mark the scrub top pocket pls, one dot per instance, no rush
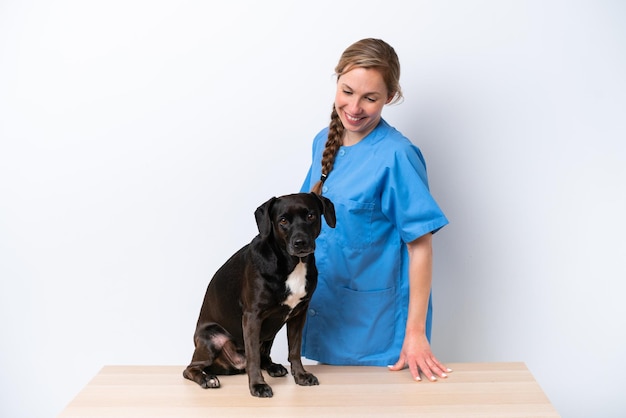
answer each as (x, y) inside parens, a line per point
(354, 223)
(369, 321)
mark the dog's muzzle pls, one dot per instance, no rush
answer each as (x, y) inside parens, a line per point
(300, 247)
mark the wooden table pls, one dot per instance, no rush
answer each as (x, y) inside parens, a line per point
(472, 390)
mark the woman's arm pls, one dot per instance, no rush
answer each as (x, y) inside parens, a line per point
(416, 352)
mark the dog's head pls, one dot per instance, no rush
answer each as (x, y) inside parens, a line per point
(295, 220)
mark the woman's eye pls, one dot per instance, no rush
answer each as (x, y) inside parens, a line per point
(371, 100)
(346, 92)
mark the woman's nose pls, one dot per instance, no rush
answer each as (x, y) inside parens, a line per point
(354, 106)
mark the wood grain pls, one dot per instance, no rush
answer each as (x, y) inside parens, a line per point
(471, 390)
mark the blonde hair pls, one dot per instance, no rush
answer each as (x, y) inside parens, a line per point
(367, 53)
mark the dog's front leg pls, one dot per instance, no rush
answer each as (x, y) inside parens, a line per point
(294, 340)
(251, 324)
(273, 369)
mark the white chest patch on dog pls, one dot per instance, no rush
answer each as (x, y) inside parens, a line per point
(296, 285)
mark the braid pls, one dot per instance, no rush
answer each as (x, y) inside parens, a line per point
(333, 143)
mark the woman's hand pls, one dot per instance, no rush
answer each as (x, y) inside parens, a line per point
(418, 357)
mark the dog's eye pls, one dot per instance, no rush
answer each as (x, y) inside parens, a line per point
(310, 216)
(283, 221)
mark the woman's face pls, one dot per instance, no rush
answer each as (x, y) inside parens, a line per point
(361, 95)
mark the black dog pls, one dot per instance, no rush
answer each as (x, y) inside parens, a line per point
(266, 284)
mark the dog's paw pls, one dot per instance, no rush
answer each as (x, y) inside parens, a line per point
(276, 370)
(306, 379)
(262, 390)
(209, 381)
(206, 381)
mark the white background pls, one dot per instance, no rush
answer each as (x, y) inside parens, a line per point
(138, 137)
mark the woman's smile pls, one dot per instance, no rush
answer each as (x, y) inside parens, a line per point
(361, 95)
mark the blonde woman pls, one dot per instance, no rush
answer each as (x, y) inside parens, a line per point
(372, 305)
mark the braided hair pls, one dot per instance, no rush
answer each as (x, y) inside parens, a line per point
(366, 53)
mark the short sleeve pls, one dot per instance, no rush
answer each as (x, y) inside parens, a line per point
(405, 197)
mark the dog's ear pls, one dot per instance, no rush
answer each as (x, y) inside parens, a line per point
(328, 209)
(263, 219)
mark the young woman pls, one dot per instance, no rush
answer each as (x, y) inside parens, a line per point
(372, 305)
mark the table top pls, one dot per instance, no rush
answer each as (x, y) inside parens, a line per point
(471, 390)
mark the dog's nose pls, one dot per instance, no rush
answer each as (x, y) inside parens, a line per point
(301, 246)
(299, 243)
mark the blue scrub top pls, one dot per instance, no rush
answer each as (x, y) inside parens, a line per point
(379, 186)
